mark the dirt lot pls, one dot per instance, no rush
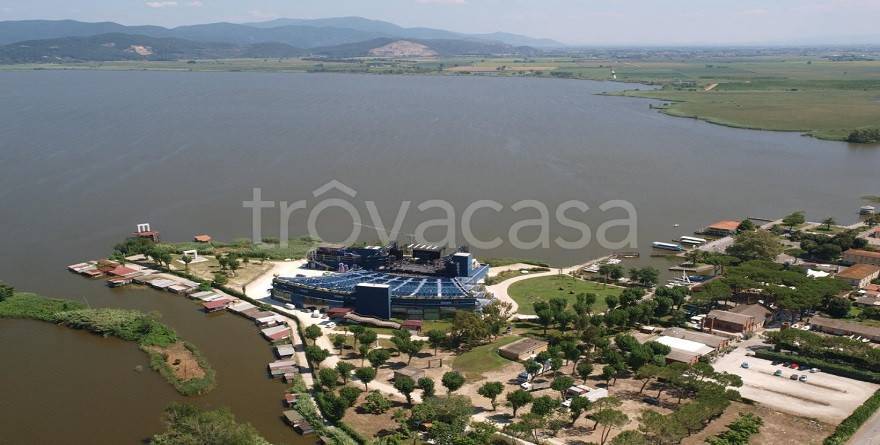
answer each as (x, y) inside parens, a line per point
(779, 428)
(372, 425)
(181, 361)
(825, 397)
(206, 269)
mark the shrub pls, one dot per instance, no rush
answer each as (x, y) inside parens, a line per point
(376, 403)
(34, 307)
(851, 424)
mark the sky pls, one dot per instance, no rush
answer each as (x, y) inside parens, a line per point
(580, 22)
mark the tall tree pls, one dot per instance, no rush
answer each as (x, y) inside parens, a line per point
(344, 369)
(579, 405)
(491, 391)
(313, 332)
(452, 381)
(406, 386)
(793, 220)
(609, 419)
(518, 399)
(436, 338)
(365, 375)
(426, 384)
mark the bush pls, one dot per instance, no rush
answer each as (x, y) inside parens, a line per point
(739, 431)
(34, 307)
(6, 291)
(851, 424)
(376, 403)
(122, 323)
(825, 366)
(865, 136)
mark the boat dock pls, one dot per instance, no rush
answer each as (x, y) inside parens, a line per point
(298, 422)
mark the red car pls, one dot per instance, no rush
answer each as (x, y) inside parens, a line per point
(794, 366)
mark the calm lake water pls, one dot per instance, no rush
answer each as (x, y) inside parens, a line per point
(85, 156)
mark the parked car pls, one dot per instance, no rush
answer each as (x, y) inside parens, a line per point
(803, 378)
(330, 325)
(290, 306)
(794, 377)
(815, 370)
(744, 365)
(566, 403)
(523, 377)
(526, 386)
(775, 363)
(794, 366)
(651, 401)
(778, 373)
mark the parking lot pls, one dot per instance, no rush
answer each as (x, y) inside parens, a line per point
(823, 396)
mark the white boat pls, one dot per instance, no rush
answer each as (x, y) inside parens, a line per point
(692, 239)
(867, 210)
(690, 242)
(667, 246)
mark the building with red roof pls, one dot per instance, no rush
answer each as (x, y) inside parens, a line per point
(723, 228)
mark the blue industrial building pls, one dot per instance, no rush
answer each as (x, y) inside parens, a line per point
(382, 294)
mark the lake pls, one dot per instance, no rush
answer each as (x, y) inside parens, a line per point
(87, 155)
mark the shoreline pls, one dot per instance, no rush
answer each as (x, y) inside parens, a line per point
(828, 135)
(160, 342)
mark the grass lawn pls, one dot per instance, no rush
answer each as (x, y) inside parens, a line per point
(527, 292)
(474, 363)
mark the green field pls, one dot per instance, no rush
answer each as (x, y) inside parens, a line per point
(818, 97)
(472, 364)
(527, 292)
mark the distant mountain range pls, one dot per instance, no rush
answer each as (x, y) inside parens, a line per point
(70, 40)
(118, 46)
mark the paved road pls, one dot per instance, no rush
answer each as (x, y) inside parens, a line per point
(869, 433)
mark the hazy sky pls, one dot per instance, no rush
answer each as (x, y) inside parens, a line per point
(570, 21)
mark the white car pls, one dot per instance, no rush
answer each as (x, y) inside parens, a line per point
(316, 314)
(330, 325)
(290, 306)
(566, 403)
(525, 385)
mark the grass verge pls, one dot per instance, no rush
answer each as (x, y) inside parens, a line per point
(528, 292)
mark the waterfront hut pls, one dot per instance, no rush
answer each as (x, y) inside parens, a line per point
(290, 398)
(216, 305)
(202, 238)
(161, 283)
(722, 228)
(298, 422)
(180, 289)
(285, 351)
(201, 295)
(277, 333)
(241, 306)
